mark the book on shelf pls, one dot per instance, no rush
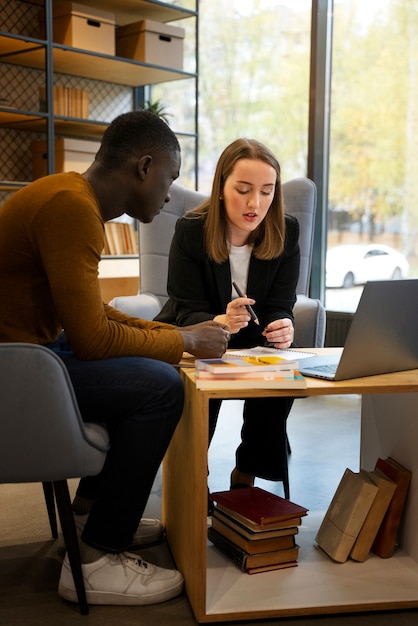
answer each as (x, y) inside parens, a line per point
(247, 561)
(120, 238)
(285, 379)
(387, 539)
(68, 101)
(346, 515)
(374, 518)
(244, 364)
(254, 545)
(257, 508)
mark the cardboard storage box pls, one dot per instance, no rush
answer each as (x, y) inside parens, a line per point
(151, 42)
(71, 155)
(80, 26)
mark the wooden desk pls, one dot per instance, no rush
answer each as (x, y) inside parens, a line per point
(216, 588)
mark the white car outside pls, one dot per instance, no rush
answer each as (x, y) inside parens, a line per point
(355, 264)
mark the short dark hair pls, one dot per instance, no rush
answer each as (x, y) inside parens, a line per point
(134, 134)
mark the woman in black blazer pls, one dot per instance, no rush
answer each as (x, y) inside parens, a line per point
(241, 234)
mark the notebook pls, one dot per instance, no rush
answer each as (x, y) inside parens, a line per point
(383, 336)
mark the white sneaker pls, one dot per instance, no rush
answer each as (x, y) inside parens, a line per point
(149, 530)
(122, 579)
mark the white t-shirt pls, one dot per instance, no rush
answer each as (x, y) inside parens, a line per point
(239, 261)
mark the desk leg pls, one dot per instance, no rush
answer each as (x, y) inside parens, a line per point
(389, 427)
(185, 500)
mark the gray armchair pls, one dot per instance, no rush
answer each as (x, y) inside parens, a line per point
(43, 438)
(154, 245)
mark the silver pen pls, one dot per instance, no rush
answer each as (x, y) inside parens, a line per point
(247, 306)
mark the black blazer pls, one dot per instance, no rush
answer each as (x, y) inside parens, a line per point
(199, 289)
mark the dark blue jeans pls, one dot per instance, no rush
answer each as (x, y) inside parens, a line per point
(140, 400)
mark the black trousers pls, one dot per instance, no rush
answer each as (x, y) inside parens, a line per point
(263, 448)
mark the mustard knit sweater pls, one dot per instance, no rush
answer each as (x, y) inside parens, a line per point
(51, 241)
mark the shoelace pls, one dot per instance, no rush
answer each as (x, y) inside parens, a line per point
(133, 561)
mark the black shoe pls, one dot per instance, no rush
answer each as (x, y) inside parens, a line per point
(211, 505)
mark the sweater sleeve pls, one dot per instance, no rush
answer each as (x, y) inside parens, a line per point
(70, 236)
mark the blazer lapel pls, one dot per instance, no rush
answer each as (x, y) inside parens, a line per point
(257, 279)
(222, 273)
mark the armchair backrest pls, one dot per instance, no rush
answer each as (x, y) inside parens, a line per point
(155, 238)
(299, 197)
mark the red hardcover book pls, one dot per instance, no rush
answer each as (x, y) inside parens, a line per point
(257, 507)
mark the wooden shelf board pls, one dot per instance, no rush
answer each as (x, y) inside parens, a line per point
(112, 69)
(63, 126)
(88, 64)
(22, 121)
(128, 11)
(11, 185)
(80, 128)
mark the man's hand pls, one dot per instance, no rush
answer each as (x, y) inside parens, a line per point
(207, 340)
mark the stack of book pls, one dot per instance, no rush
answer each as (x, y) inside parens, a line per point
(68, 101)
(253, 372)
(365, 513)
(256, 529)
(120, 238)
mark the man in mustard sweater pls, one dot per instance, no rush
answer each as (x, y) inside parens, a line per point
(51, 241)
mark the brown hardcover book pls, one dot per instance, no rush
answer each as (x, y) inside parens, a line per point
(253, 546)
(109, 239)
(269, 568)
(117, 233)
(346, 514)
(368, 532)
(246, 561)
(84, 103)
(387, 536)
(289, 527)
(257, 507)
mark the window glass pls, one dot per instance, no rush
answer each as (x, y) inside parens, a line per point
(253, 81)
(373, 184)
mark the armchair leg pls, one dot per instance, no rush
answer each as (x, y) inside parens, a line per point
(66, 516)
(286, 487)
(50, 506)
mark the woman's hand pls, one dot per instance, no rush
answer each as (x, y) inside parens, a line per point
(280, 333)
(236, 316)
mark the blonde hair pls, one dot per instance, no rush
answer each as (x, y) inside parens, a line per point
(268, 238)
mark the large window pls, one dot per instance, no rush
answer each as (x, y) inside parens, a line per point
(373, 181)
(254, 81)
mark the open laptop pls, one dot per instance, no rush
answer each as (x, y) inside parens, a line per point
(383, 336)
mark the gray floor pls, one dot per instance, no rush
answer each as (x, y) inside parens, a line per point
(324, 436)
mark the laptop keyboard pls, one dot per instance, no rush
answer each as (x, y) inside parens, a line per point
(324, 369)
